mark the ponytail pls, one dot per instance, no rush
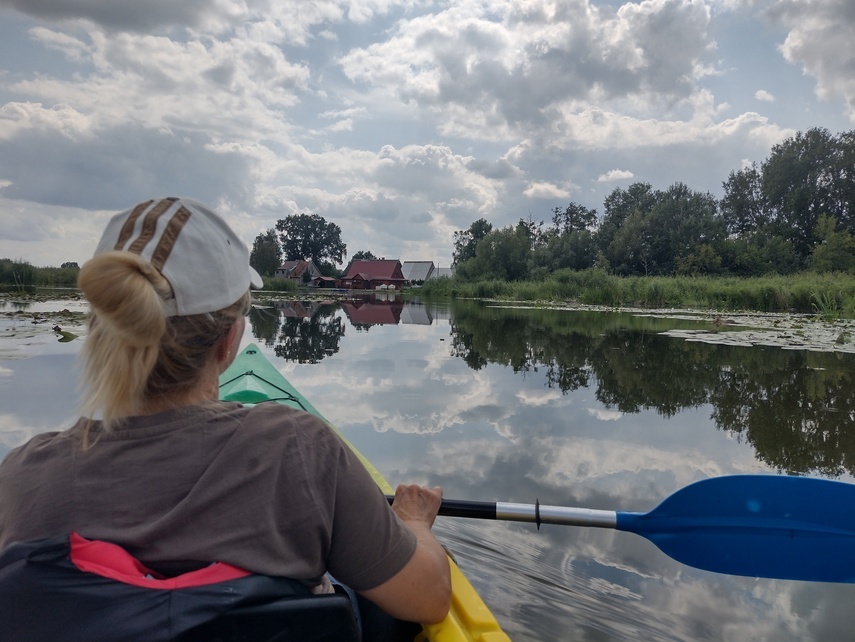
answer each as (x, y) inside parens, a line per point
(134, 351)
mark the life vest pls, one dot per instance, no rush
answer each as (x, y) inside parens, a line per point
(73, 589)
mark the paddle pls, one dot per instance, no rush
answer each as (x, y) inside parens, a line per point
(793, 528)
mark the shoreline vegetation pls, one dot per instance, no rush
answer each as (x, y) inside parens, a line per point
(809, 311)
(829, 296)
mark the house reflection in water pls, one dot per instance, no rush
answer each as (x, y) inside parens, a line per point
(366, 313)
(374, 309)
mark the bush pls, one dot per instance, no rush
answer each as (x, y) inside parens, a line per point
(280, 284)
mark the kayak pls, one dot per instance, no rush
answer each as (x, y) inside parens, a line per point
(252, 379)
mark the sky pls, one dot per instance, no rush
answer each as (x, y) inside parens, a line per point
(401, 121)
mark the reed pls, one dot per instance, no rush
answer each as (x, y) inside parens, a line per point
(826, 295)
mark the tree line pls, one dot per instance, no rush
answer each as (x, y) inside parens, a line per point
(792, 213)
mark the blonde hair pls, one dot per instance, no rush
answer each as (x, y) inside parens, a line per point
(134, 351)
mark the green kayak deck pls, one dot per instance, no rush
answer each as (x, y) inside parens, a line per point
(252, 379)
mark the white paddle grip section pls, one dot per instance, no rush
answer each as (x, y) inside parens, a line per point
(556, 515)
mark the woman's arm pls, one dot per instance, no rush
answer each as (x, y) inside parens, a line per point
(421, 591)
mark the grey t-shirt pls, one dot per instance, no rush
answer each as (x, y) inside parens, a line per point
(267, 488)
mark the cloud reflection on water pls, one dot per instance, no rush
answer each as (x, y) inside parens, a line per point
(501, 433)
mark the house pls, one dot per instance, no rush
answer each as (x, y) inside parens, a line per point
(438, 272)
(417, 271)
(324, 282)
(297, 271)
(373, 275)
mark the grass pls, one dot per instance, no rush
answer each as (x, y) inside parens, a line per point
(829, 296)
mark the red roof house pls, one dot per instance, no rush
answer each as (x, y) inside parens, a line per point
(371, 275)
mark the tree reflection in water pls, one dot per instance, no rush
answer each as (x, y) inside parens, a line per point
(796, 408)
(305, 333)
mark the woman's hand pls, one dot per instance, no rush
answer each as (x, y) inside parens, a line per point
(421, 591)
(415, 503)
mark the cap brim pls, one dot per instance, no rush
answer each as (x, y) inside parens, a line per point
(255, 280)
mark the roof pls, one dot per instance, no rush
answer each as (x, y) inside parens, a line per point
(294, 269)
(417, 270)
(389, 269)
(438, 272)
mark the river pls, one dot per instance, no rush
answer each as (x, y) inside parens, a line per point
(597, 409)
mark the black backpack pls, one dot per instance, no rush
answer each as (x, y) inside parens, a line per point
(44, 595)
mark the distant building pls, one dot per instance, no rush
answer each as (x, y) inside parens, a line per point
(325, 282)
(438, 272)
(373, 275)
(296, 271)
(417, 271)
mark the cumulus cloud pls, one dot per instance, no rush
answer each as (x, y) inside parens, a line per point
(545, 190)
(615, 175)
(820, 40)
(526, 65)
(765, 96)
(426, 115)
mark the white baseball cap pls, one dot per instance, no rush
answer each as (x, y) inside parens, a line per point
(204, 261)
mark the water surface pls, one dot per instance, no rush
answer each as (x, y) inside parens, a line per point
(593, 409)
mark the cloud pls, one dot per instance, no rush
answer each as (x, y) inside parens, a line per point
(528, 66)
(423, 116)
(820, 40)
(615, 175)
(763, 95)
(545, 190)
(605, 415)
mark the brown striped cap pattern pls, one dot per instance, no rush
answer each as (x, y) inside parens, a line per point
(191, 245)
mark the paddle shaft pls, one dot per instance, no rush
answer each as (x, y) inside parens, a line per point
(533, 513)
(774, 526)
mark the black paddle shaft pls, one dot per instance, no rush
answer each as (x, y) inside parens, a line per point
(463, 508)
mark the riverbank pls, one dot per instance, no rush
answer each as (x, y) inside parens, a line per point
(830, 296)
(825, 328)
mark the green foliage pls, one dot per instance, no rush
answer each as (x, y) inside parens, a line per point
(465, 241)
(310, 236)
(502, 254)
(363, 255)
(21, 276)
(826, 305)
(743, 206)
(835, 251)
(704, 260)
(573, 218)
(773, 293)
(280, 284)
(266, 255)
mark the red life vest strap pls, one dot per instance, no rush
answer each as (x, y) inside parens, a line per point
(113, 562)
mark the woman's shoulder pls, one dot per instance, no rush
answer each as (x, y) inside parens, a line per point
(280, 421)
(38, 445)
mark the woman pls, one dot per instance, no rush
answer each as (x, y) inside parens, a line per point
(180, 479)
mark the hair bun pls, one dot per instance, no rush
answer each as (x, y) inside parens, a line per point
(126, 293)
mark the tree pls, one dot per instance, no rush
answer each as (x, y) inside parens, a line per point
(70, 265)
(363, 255)
(266, 255)
(575, 250)
(836, 250)
(743, 207)
(617, 207)
(310, 236)
(799, 186)
(574, 218)
(503, 255)
(465, 241)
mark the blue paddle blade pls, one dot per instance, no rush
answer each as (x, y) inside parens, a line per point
(793, 528)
